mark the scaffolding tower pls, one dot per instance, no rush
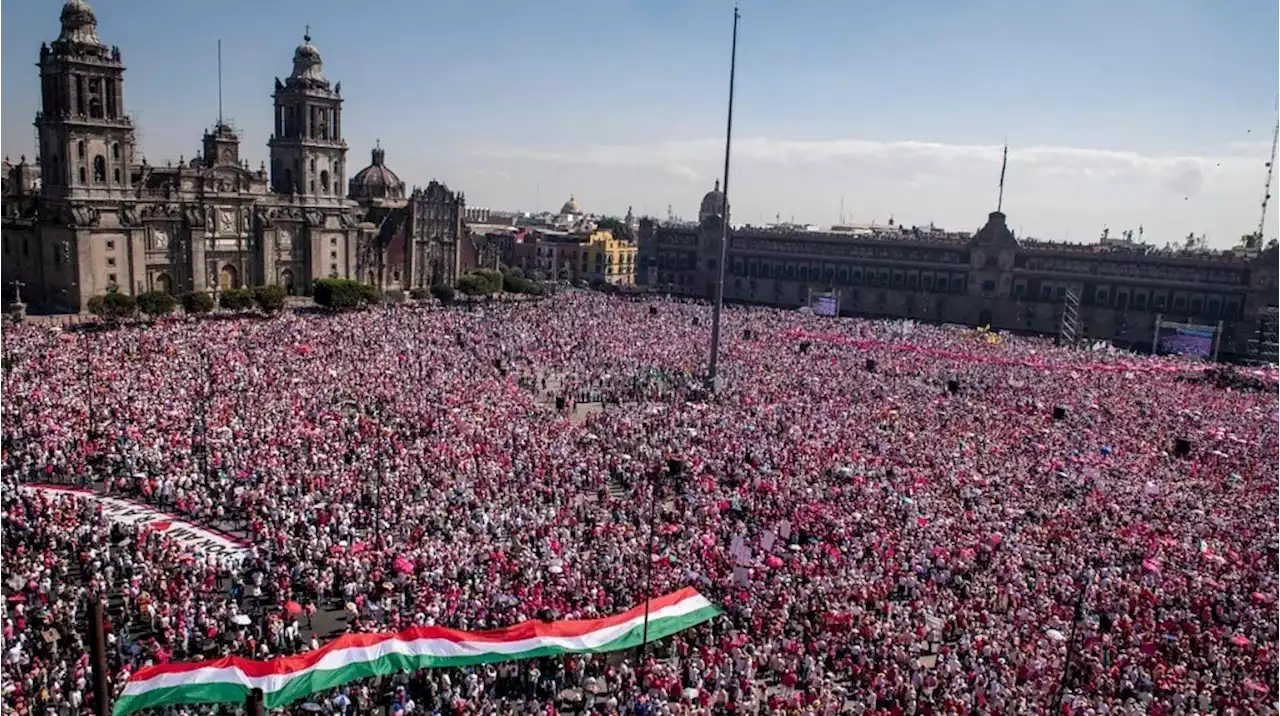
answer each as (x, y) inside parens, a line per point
(1263, 344)
(1069, 331)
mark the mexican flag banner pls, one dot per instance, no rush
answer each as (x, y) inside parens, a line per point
(358, 656)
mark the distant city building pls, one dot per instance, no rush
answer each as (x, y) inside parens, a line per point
(988, 278)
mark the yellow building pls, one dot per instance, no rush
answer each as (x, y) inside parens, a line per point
(605, 259)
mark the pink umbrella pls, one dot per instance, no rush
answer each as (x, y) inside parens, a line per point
(402, 565)
(773, 561)
(1240, 640)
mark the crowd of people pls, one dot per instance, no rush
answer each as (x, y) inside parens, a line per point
(895, 518)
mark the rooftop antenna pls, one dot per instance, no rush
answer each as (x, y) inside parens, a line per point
(219, 82)
(841, 208)
(1004, 164)
(1266, 191)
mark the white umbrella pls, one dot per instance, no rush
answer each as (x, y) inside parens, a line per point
(241, 620)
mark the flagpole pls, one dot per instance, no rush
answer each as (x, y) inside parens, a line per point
(98, 658)
(713, 367)
(1004, 164)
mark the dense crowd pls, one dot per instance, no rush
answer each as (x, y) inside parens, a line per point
(879, 543)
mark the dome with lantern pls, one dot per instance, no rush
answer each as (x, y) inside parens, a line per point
(79, 24)
(712, 203)
(307, 65)
(376, 181)
(571, 207)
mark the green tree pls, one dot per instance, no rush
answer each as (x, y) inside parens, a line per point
(473, 285)
(156, 303)
(113, 306)
(492, 279)
(342, 294)
(236, 299)
(269, 298)
(518, 284)
(443, 293)
(197, 302)
(615, 225)
(419, 293)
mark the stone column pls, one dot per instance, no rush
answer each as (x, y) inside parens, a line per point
(199, 269)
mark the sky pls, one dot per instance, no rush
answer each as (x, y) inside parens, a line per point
(1117, 113)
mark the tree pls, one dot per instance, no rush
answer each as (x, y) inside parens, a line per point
(156, 303)
(518, 284)
(197, 302)
(443, 293)
(491, 277)
(473, 285)
(113, 306)
(269, 298)
(614, 224)
(236, 299)
(343, 294)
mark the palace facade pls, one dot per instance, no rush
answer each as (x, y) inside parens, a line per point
(986, 278)
(91, 215)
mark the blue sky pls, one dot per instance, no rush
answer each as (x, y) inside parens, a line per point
(1147, 112)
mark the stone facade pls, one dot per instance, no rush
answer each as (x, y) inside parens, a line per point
(421, 238)
(988, 278)
(103, 218)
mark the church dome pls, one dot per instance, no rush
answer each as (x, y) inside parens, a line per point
(571, 207)
(306, 61)
(79, 24)
(376, 181)
(712, 203)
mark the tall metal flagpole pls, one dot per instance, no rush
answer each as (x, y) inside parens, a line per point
(713, 368)
(1004, 164)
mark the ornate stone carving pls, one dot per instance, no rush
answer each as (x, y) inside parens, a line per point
(314, 218)
(226, 221)
(195, 216)
(160, 238)
(129, 216)
(83, 216)
(160, 211)
(285, 237)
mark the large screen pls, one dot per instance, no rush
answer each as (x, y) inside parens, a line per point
(826, 304)
(1188, 341)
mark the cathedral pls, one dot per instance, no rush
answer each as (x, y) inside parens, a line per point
(90, 215)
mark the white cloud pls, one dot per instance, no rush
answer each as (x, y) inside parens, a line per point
(1052, 191)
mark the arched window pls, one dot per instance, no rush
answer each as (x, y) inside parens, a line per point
(287, 185)
(115, 151)
(115, 175)
(80, 149)
(83, 180)
(99, 170)
(337, 190)
(55, 173)
(324, 181)
(311, 186)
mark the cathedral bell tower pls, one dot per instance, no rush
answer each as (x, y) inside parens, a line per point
(308, 153)
(86, 142)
